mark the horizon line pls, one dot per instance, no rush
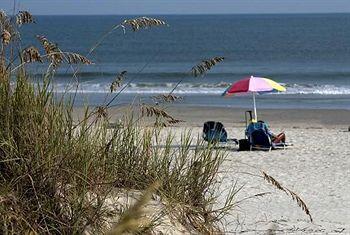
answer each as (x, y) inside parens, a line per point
(199, 14)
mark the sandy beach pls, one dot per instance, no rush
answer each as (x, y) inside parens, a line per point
(316, 167)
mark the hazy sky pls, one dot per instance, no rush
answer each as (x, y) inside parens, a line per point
(48, 7)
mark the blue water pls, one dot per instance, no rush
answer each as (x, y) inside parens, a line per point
(309, 54)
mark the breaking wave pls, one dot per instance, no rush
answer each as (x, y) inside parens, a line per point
(199, 88)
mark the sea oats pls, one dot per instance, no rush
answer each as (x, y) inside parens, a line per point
(3, 16)
(56, 56)
(101, 112)
(294, 196)
(162, 117)
(7, 30)
(118, 81)
(166, 98)
(24, 17)
(205, 65)
(75, 58)
(175, 121)
(150, 111)
(6, 37)
(31, 54)
(142, 22)
(52, 51)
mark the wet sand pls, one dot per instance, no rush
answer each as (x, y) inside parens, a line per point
(196, 116)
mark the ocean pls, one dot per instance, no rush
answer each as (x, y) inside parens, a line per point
(308, 53)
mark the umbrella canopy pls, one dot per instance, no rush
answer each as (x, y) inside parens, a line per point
(254, 85)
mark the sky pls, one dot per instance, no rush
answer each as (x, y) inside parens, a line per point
(124, 7)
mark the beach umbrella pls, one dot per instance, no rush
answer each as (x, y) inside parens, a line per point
(253, 85)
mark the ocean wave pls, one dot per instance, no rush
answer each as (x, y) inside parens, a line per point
(314, 89)
(199, 88)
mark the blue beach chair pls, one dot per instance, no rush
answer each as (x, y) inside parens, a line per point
(260, 140)
(214, 132)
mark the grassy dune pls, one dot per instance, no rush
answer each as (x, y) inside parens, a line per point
(57, 173)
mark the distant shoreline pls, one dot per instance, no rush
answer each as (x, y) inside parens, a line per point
(215, 14)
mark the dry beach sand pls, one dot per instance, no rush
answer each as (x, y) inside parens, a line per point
(316, 167)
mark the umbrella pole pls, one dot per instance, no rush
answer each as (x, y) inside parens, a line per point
(255, 115)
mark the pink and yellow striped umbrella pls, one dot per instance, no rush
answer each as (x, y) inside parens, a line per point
(254, 85)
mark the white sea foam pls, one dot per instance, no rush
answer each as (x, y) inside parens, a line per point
(197, 88)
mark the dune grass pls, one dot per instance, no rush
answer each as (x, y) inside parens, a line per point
(57, 172)
(48, 165)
